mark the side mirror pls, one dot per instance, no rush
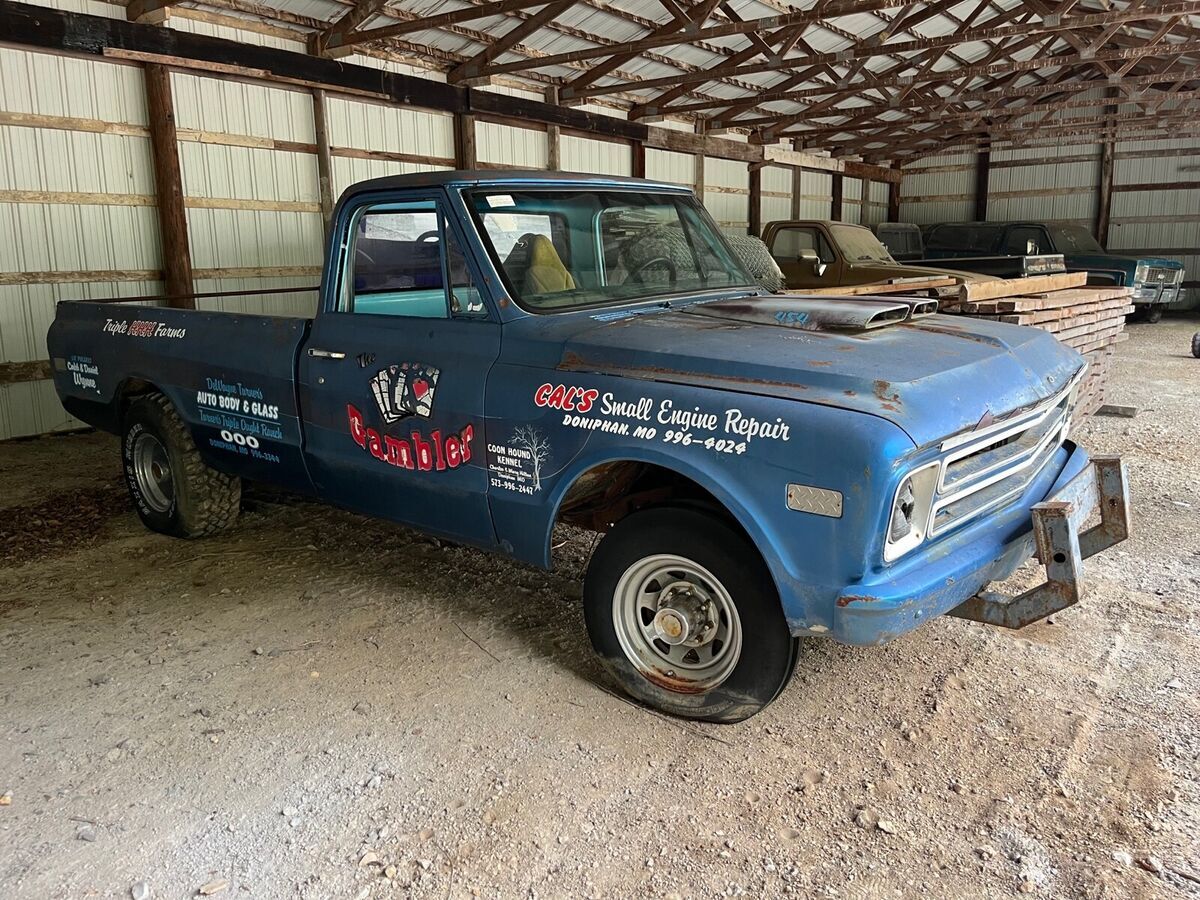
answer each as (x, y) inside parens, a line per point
(810, 257)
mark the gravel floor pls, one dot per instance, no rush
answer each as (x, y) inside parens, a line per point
(319, 706)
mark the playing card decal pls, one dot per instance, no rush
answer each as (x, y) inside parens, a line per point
(404, 390)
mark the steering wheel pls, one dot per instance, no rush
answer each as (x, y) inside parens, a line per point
(426, 236)
(641, 267)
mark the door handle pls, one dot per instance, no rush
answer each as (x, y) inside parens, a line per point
(326, 354)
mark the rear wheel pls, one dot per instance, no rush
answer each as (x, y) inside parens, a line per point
(173, 490)
(1196, 345)
(684, 614)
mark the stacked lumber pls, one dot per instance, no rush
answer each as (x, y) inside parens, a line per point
(1089, 319)
(875, 288)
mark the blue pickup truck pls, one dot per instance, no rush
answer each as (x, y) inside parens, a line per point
(496, 353)
(1156, 281)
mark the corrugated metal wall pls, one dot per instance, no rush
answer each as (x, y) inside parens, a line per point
(1156, 205)
(939, 189)
(1047, 184)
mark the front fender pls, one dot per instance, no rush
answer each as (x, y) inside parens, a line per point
(809, 555)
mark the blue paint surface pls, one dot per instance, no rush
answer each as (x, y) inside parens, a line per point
(475, 427)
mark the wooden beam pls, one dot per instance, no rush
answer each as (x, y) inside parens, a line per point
(893, 210)
(464, 141)
(168, 183)
(638, 166)
(983, 170)
(836, 201)
(797, 192)
(473, 67)
(81, 34)
(152, 12)
(755, 215)
(19, 372)
(324, 158)
(337, 34)
(726, 70)
(426, 23)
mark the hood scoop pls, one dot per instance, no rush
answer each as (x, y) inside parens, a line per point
(813, 313)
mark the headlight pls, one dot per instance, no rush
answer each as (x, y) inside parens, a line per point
(1141, 273)
(909, 520)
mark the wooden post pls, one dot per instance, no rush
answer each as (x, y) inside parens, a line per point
(553, 135)
(464, 141)
(983, 170)
(797, 185)
(168, 183)
(699, 164)
(893, 213)
(639, 160)
(1104, 204)
(835, 204)
(755, 218)
(324, 158)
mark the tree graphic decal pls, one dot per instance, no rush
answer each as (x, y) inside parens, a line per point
(529, 438)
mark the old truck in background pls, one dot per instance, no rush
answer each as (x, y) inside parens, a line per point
(1156, 281)
(818, 253)
(496, 353)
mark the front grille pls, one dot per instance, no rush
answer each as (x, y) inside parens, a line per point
(985, 470)
(1163, 275)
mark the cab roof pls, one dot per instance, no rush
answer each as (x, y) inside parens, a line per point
(500, 178)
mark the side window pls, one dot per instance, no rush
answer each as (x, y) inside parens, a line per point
(393, 264)
(465, 299)
(789, 242)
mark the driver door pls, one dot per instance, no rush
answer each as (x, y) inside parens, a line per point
(392, 376)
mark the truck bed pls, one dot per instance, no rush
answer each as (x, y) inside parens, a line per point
(231, 375)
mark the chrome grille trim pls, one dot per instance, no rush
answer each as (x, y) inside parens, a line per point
(1002, 472)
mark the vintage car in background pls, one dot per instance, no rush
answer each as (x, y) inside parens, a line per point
(1156, 281)
(818, 253)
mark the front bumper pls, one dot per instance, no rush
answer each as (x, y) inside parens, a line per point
(953, 578)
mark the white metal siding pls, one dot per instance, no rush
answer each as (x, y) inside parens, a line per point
(727, 193)
(667, 165)
(939, 189)
(579, 154)
(816, 195)
(505, 145)
(776, 187)
(1060, 187)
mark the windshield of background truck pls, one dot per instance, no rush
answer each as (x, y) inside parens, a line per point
(1074, 239)
(859, 245)
(568, 249)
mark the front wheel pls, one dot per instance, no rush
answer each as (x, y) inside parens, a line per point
(684, 614)
(1154, 313)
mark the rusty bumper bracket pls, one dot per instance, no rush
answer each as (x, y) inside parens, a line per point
(1061, 547)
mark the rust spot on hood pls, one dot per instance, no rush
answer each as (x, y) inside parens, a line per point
(881, 391)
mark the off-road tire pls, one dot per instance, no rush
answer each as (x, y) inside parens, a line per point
(1196, 345)
(204, 500)
(768, 650)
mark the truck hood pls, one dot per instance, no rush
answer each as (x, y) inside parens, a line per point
(1120, 261)
(932, 377)
(904, 270)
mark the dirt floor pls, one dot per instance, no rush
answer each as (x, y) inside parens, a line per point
(319, 706)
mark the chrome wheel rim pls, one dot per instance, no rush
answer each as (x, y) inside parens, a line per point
(677, 624)
(152, 469)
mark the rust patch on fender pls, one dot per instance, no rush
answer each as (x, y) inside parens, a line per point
(846, 601)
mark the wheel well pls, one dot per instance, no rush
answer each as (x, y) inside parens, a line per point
(607, 493)
(128, 391)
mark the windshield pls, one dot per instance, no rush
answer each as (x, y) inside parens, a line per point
(859, 245)
(567, 249)
(1074, 239)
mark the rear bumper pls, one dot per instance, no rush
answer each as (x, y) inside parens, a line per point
(954, 575)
